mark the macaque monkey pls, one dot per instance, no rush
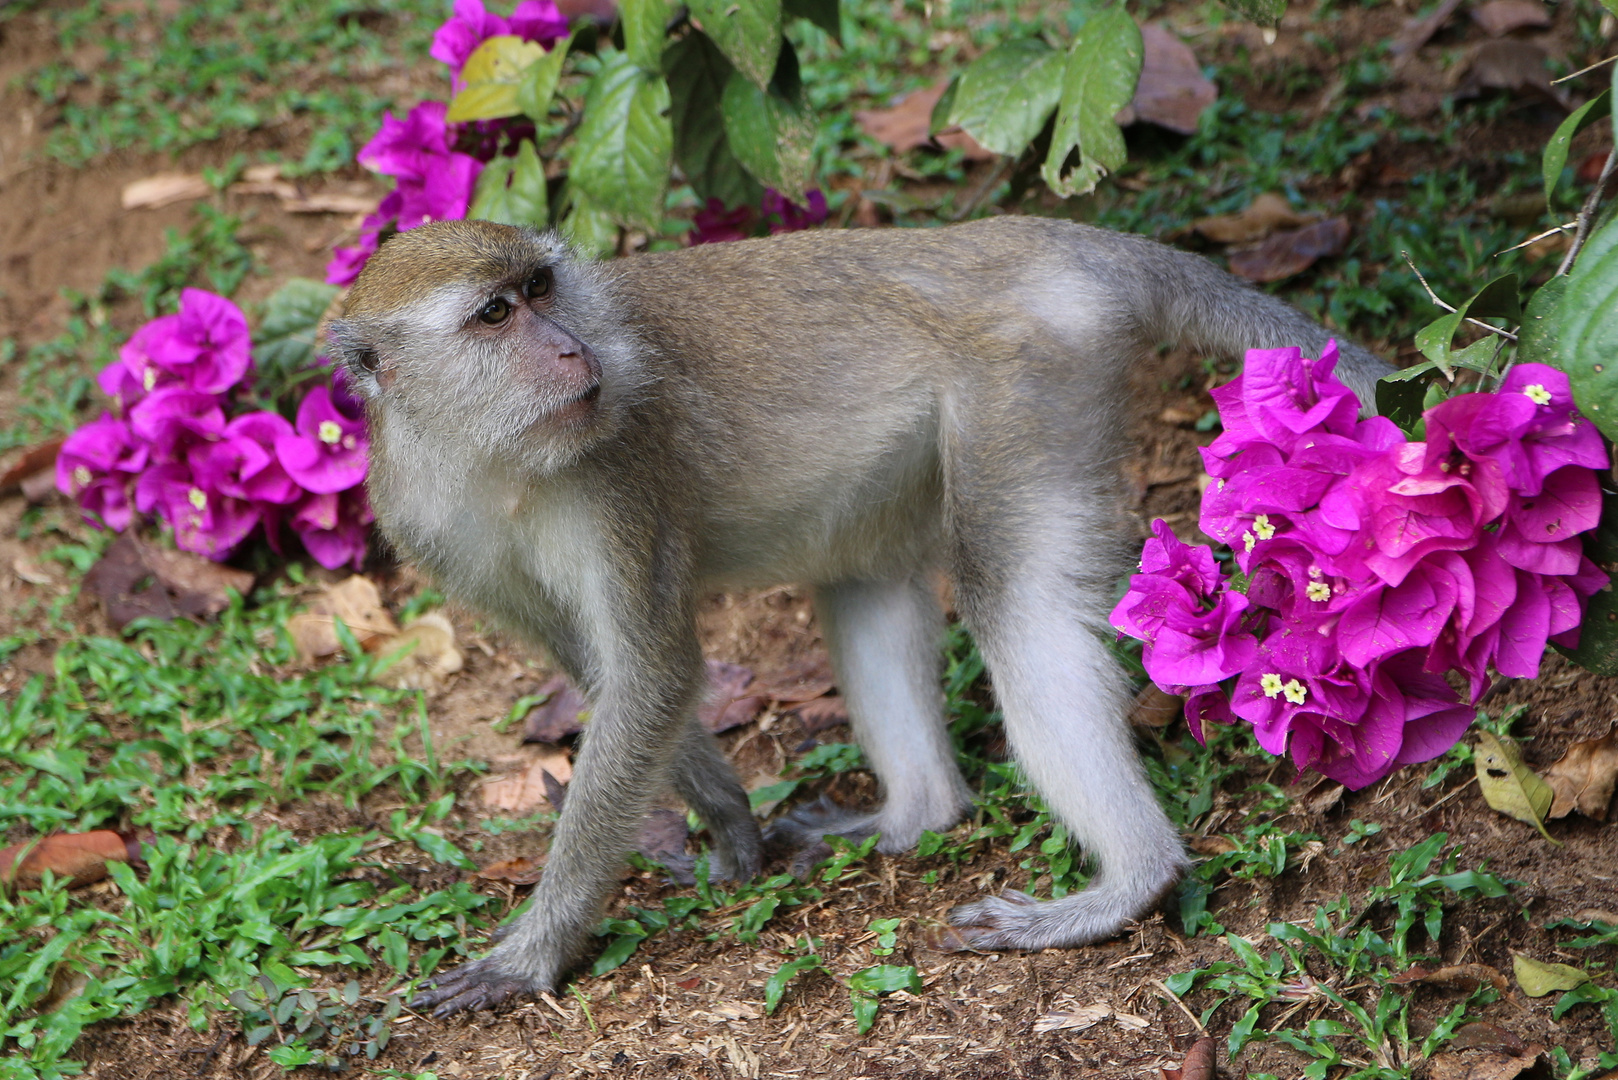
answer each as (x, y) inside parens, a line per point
(584, 450)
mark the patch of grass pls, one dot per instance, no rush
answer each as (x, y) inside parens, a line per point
(156, 76)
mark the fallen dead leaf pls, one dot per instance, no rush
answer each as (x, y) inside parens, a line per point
(1323, 797)
(1264, 215)
(1172, 91)
(527, 792)
(1595, 914)
(1584, 778)
(1510, 64)
(662, 840)
(1417, 32)
(1199, 1063)
(1508, 785)
(1155, 708)
(328, 204)
(1213, 845)
(432, 655)
(1482, 1064)
(136, 580)
(735, 1010)
(1500, 17)
(516, 871)
(904, 125)
(1538, 978)
(822, 713)
(1131, 1022)
(66, 984)
(81, 858)
(803, 681)
(1466, 977)
(1486, 1036)
(558, 716)
(1079, 1019)
(28, 462)
(28, 570)
(1290, 252)
(356, 602)
(164, 188)
(726, 706)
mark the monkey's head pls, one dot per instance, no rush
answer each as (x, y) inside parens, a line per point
(493, 339)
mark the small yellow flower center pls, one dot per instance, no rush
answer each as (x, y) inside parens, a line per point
(1262, 526)
(197, 498)
(81, 476)
(1270, 683)
(1248, 541)
(330, 433)
(1318, 591)
(1537, 394)
(150, 379)
(1295, 692)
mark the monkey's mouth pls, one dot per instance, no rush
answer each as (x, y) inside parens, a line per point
(579, 407)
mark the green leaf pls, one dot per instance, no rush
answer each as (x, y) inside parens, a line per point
(864, 1007)
(1496, 299)
(1004, 97)
(1262, 12)
(537, 86)
(613, 956)
(492, 74)
(484, 101)
(588, 227)
(1098, 79)
(1400, 401)
(512, 190)
(1597, 108)
(286, 337)
(939, 120)
(748, 32)
(1510, 786)
(1538, 337)
(1500, 298)
(645, 25)
(776, 985)
(1597, 650)
(823, 13)
(625, 144)
(1589, 330)
(771, 136)
(885, 979)
(1538, 978)
(697, 73)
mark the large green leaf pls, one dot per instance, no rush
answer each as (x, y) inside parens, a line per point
(1539, 335)
(1098, 79)
(1588, 350)
(1003, 98)
(1598, 636)
(587, 226)
(697, 72)
(645, 25)
(1263, 12)
(492, 74)
(1597, 108)
(825, 14)
(624, 147)
(1499, 298)
(512, 190)
(748, 32)
(769, 134)
(538, 83)
(286, 337)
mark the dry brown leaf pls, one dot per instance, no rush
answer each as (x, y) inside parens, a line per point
(1290, 252)
(822, 713)
(80, 857)
(30, 571)
(1155, 708)
(432, 655)
(1417, 32)
(734, 1010)
(525, 792)
(1199, 1063)
(1500, 17)
(136, 580)
(40, 487)
(162, 189)
(1458, 976)
(32, 461)
(1131, 1022)
(1172, 91)
(803, 681)
(662, 839)
(726, 706)
(1213, 845)
(1595, 914)
(1323, 797)
(1079, 1019)
(1482, 1064)
(558, 716)
(516, 871)
(1264, 215)
(904, 125)
(1510, 64)
(1486, 1036)
(328, 204)
(355, 601)
(1584, 778)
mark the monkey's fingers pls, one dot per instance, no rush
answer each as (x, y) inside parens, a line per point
(803, 831)
(477, 985)
(1007, 921)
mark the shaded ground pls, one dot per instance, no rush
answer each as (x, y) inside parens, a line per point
(685, 1006)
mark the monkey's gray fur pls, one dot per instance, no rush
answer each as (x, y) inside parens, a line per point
(850, 409)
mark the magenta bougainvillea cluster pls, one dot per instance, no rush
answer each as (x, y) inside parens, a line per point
(1369, 565)
(179, 447)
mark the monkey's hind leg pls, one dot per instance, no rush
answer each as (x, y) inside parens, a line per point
(1065, 704)
(707, 783)
(885, 640)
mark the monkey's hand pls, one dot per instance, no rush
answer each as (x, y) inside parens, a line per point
(479, 984)
(802, 832)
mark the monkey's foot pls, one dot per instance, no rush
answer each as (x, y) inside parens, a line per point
(1015, 920)
(480, 984)
(803, 832)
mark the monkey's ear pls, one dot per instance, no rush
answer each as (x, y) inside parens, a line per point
(354, 349)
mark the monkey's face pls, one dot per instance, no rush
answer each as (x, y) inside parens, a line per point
(486, 339)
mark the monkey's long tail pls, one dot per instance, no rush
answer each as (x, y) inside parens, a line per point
(1187, 300)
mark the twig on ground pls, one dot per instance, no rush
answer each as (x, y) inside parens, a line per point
(1161, 985)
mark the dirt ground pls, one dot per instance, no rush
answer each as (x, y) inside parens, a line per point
(684, 1007)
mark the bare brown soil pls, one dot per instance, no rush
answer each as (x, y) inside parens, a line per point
(686, 1007)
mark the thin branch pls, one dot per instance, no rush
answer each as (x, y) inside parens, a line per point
(1581, 71)
(1537, 239)
(1587, 212)
(1479, 323)
(1161, 985)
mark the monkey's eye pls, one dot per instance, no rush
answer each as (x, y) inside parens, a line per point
(495, 311)
(367, 360)
(539, 286)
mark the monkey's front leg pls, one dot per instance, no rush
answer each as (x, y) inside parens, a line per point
(624, 763)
